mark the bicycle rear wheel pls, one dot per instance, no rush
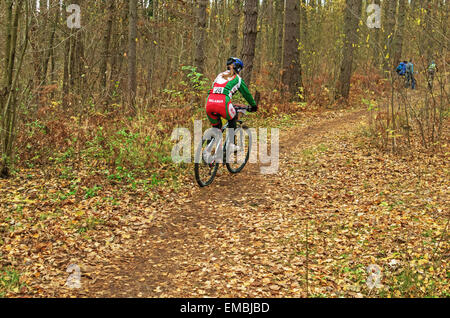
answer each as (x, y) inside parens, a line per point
(205, 169)
(236, 161)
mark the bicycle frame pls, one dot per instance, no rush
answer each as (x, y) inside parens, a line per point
(239, 110)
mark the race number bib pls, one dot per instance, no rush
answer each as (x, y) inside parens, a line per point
(218, 90)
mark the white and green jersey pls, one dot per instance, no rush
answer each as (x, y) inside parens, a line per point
(228, 87)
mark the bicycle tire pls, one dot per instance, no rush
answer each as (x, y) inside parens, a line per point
(199, 163)
(247, 155)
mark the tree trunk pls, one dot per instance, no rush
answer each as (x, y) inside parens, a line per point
(398, 39)
(428, 36)
(73, 78)
(132, 39)
(8, 100)
(389, 34)
(292, 78)
(49, 52)
(249, 41)
(200, 35)
(304, 24)
(279, 11)
(66, 74)
(263, 40)
(265, 45)
(352, 14)
(9, 8)
(236, 17)
(106, 43)
(376, 42)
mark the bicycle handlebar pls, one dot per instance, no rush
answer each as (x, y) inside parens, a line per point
(247, 107)
(241, 107)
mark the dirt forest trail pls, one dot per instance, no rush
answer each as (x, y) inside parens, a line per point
(229, 239)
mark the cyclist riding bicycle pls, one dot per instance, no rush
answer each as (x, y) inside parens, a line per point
(218, 103)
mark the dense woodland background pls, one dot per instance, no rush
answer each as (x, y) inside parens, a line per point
(86, 174)
(154, 60)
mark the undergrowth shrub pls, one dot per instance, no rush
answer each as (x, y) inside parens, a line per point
(108, 139)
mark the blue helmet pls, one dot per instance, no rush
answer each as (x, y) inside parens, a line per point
(238, 64)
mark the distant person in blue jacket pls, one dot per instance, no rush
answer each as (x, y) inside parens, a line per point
(401, 68)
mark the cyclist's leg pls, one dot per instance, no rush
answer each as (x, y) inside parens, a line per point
(231, 114)
(214, 119)
(214, 107)
(232, 118)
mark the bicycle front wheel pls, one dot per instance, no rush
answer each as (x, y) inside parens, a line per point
(237, 159)
(205, 167)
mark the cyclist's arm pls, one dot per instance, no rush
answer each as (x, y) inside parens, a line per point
(246, 94)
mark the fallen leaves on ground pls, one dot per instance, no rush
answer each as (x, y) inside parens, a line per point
(335, 207)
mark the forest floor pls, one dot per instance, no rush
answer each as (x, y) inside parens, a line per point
(336, 206)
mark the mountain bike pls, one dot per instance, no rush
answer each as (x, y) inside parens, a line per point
(210, 153)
